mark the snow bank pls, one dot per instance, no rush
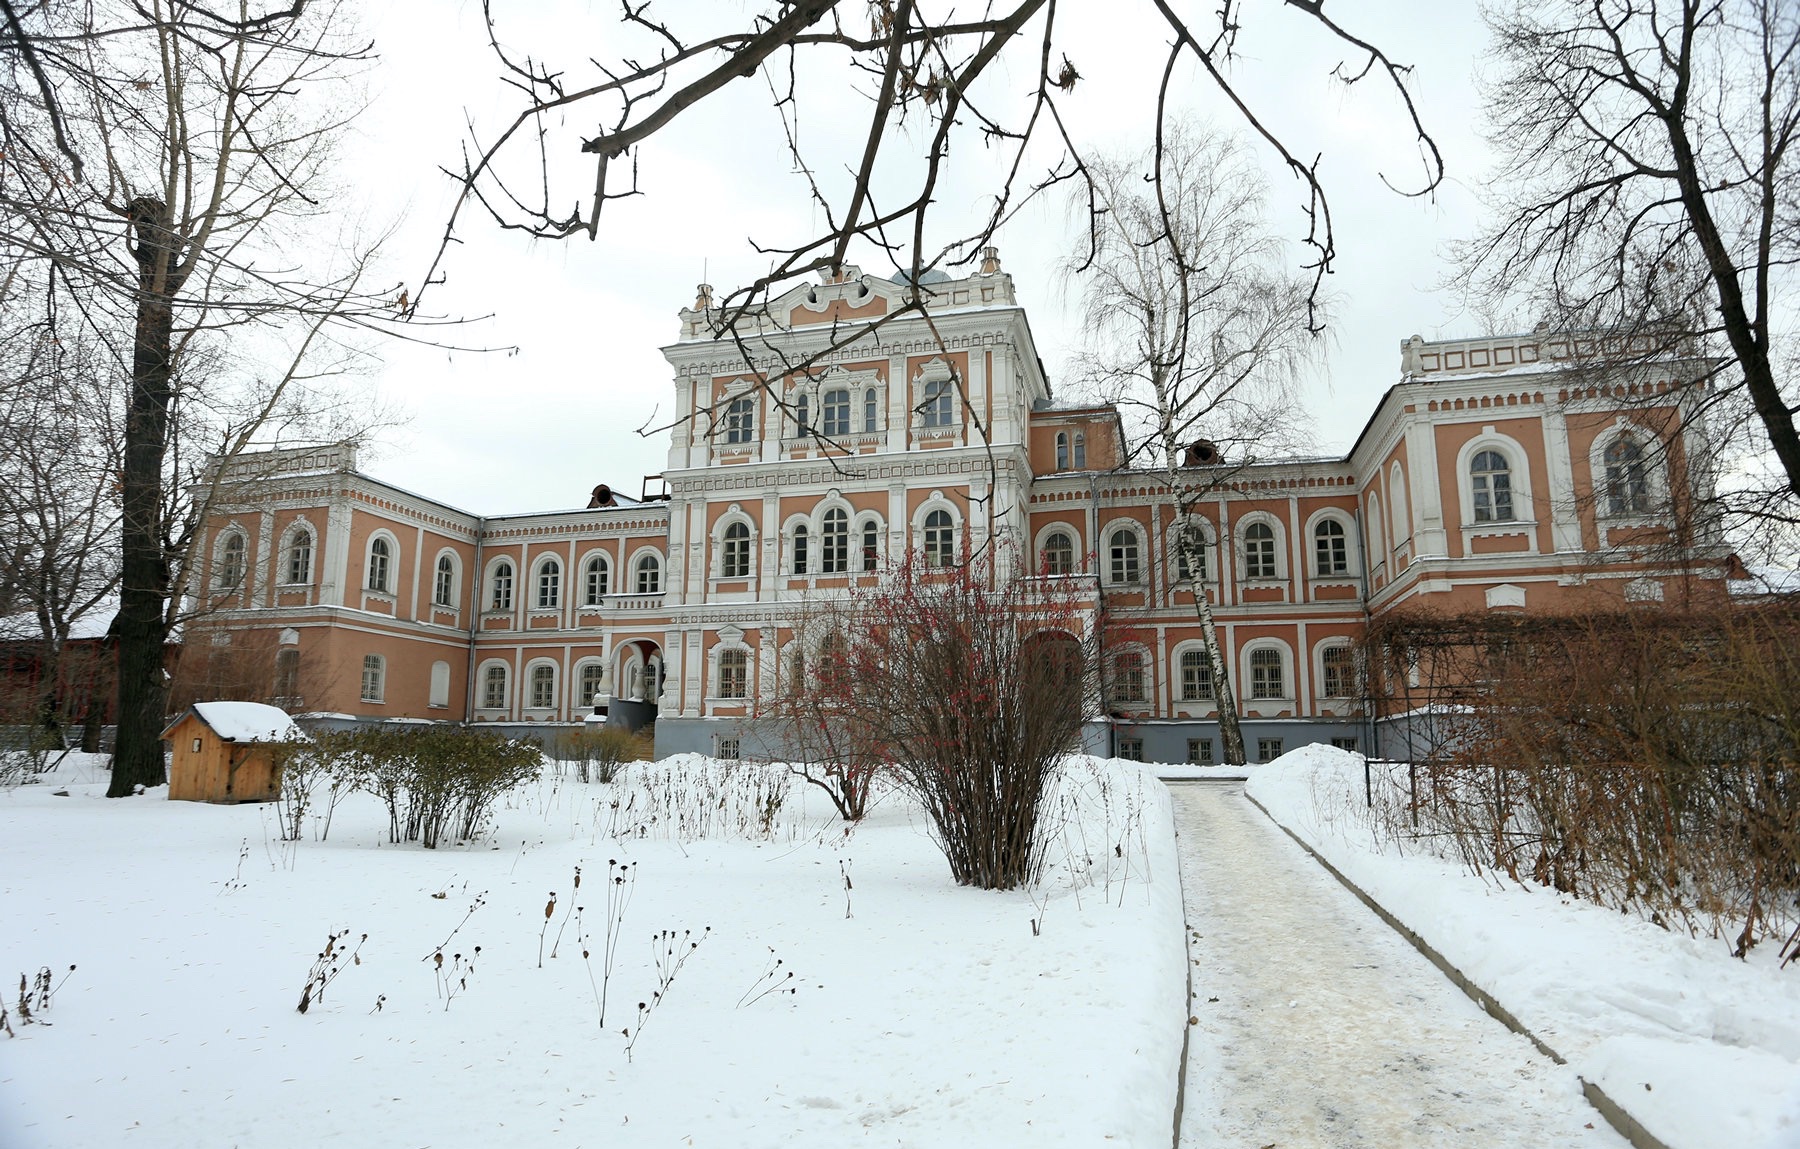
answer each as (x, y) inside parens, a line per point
(924, 1014)
(1702, 1049)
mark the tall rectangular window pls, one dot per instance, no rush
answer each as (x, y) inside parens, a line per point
(835, 409)
(1200, 751)
(935, 408)
(374, 678)
(740, 420)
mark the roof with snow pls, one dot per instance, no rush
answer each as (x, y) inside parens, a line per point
(244, 721)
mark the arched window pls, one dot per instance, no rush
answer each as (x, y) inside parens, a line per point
(287, 677)
(1196, 676)
(1080, 454)
(1128, 676)
(503, 582)
(231, 562)
(588, 685)
(801, 547)
(796, 680)
(834, 406)
(1331, 548)
(935, 405)
(802, 413)
(440, 685)
(649, 575)
(1627, 491)
(1490, 482)
(1259, 551)
(1339, 664)
(1122, 557)
(734, 555)
(1059, 553)
(381, 557)
(940, 540)
(1267, 676)
(740, 420)
(493, 687)
(549, 585)
(443, 590)
(543, 686)
(834, 542)
(299, 559)
(1183, 571)
(734, 674)
(595, 580)
(1062, 450)
(374, 678)
(869, 411)
(871, 545)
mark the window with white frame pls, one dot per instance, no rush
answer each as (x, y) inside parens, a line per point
(587, 684)
(734, 551)
(1490, 487)
(1122, 556)
(1128, 676)
(1200, 751)
(871, 545)
(493, 687)
(1338, 664)
(936, 404)
(374, 678)
(940, 539)
(443, 586)
(740, 420)
(1260, 551)
(802, 550)
(381, 561)
(1131, 748)
(231, 561)
(1331, 548)
(1196, 676)
(298, 569)
(1080, 451)
(1062, 450)
(1268, 673)
(834, 542)
(1401, 521)
(834, 412)
(649, 574)
(1059, 553)
(549, 585)
(1184, 572)
(871, 413)
(1268, 749)
(543, 686)
(802, 413)
(1627, 488)
(501, 596)
(734, 673)
(594, 580)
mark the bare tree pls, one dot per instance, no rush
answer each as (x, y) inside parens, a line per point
(1646, 192)
(1198, 332)
(938, 94)
(964, 684)
(165, 158)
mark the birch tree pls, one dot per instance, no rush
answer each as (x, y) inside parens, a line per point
(1197, 331)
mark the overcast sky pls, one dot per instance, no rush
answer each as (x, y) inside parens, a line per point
(536, 429)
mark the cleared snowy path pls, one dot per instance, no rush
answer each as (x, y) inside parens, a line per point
(1320, 1028)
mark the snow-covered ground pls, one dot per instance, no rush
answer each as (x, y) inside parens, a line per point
(1702, 1049)
(921, 1014)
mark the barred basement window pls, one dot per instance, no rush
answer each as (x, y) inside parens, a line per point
(1200, 751)
(1131, 749)
(1268, 749)
(730, 749)
(1345, 744)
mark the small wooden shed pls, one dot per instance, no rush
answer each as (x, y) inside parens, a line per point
(222, 752)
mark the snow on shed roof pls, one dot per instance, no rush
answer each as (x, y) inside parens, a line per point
(247, 721)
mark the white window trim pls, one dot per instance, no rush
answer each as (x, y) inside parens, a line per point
(936, 502)
(1209, 549)
(379, 698)
(1189, 705)
(1398, 512)
(1146, 661)
(859, 523)
(740, 388)
(1519, 480)
(852, 542)
(713, 681)
(1240, 533)
(506, 694)
(726, 520)
(602, 689)
(487, 585)
(1352, 545)
(1319, 649)
(534, 604)
(612, 586)
(527, 705)
(231, 530)
(293, 531)
(1245, 682)
(662, 570)
(455, 602)
(1111, 529)
(1656, 475)
(393, 564)
(1040, 542)
(936, 370)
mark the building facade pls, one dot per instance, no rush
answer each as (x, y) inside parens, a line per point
(1497, 474)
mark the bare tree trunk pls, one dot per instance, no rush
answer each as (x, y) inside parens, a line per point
(141, 628)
